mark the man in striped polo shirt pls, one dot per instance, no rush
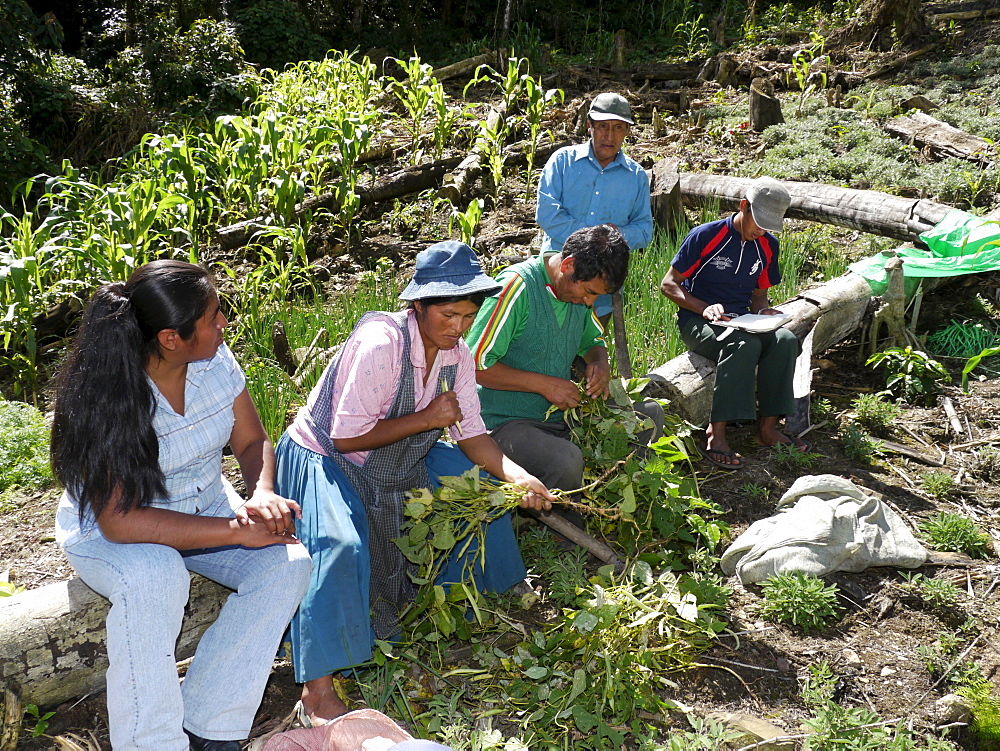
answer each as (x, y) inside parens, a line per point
(723, 269)
(525, 339)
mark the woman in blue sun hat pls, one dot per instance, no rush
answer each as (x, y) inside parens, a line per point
(369, 433)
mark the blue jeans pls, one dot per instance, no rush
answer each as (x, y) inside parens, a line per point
(147, 585)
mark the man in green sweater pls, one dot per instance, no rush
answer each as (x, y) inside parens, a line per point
(525, 339)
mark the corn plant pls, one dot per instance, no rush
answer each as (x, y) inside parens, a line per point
(467, 220)
(415, 94)
(537, 101)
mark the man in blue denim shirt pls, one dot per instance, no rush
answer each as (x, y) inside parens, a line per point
(595, 183)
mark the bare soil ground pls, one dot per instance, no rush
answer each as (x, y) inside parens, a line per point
(873, 646)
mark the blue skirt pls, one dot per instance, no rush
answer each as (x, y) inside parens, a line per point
(332, 631)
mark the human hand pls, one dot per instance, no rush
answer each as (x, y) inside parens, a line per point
(715, 312)
(270, 509)
(769, 312)
(536, 495)
(443, 410)
(255, 534)
(562, 393)
(598, 374)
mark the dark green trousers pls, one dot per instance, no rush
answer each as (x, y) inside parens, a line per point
(745, 363)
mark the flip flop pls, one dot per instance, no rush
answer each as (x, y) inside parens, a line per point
(707, 452)
(800, 443)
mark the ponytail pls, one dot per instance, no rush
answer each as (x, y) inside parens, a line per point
(104, 446)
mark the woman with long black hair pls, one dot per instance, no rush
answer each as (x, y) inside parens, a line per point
(145, 403)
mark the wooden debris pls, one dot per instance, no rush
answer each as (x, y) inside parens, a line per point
(941, 558)
(896, 64)
(765, 107)
(956, 424)
(52, 641)
(765, 734)
(665, 196)
(10, 720)
(462, 67)
(898, 448)
(454, 185)
(573, 533)
(866, 210)
(939, 139)
(401, 183)
(918, 102)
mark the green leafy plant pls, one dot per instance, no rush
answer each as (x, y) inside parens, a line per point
(415, 93)
(973, 363)
(7, 587)
(24, 448)
(938, 593)
(911, 375)
(858, 445)
(837, 726)
(955, 533)
(986, 464)
(792, 457)
(41, 720)
(938, 484)
(962, 339)
(800, 599)
(755, 492)
(468, 220)
(985, 709)
(874, 413)
(821, 409)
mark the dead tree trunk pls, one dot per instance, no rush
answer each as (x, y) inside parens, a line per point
(765, 108)
(398, 184)
(866, 210)
(52, 642)
(455, 185)
(462, 67)
(941, 140)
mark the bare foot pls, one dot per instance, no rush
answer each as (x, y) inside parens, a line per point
(769, 435)
(321, 702)
(717, 449)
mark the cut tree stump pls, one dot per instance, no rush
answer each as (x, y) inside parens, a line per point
(765, 107)
(939, 139)
(665, 196)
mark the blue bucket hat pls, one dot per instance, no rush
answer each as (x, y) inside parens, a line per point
(448, 269)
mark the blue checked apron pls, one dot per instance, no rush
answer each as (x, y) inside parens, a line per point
(382, 481)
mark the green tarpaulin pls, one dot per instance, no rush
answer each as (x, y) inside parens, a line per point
(961, 243)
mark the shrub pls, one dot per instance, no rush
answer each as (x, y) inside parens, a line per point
(875, 414)
(937, 593)
(24, 448)
(911, 374)
(195, 67)
(955, 533)
(858, 445)
(937, 484)
(275, 32)
(800, 599)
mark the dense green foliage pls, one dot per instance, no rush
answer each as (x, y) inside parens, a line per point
(24, 449)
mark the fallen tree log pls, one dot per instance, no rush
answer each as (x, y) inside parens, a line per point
(404, 182)
(52, 642)
(454, 185)
(940, 139)
(469, 65)
(865, 210)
